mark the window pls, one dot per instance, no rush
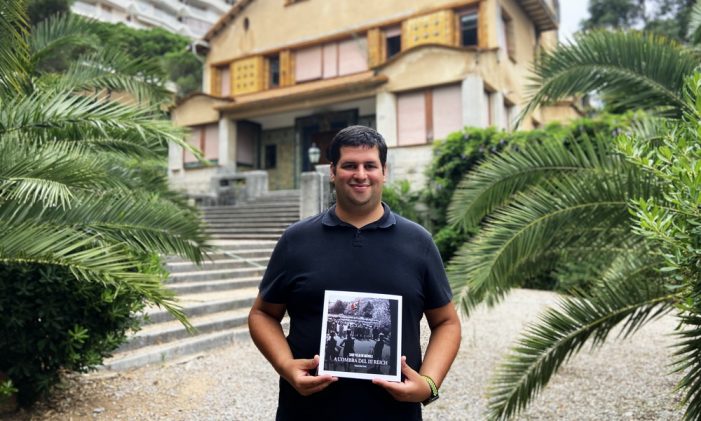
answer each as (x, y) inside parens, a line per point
(393, 41)
(270, 156)
(429, 114)
(331, 60)
(206, 139)
(468, 28)
(274, 71)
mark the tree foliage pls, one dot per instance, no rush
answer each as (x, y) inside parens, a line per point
(85, 211)
(628, 208)
(666, 17)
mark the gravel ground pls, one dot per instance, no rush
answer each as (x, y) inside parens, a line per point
(623, 380)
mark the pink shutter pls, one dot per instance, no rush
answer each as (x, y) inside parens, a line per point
(447, 110)
(211, 141)
(411, 118)
(224, 81)
(194, 140)
(330, 60)
(352, 56)
(308, 64)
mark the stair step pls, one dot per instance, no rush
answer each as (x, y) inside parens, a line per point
(245, 236)
(194, 305)
(213, 275)
(155, 334)
(226, 262)
(212, 286)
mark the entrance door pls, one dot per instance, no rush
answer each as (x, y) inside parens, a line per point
(323, 140)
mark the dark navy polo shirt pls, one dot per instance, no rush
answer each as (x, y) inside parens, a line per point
(389, 256)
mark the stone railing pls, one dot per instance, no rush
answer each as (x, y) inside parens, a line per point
(230, 189)
(316, 192)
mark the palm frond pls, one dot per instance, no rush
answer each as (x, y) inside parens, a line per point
(114, 71)
(85, 257)
(51, 174)
(499, 178)
(694, 23)
(633, 70)
(54, 34)
(77, 117)
(14, 50)
(562, 332)
(546, 217)
(688, 362)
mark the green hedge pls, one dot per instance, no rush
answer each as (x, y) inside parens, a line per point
(53, 322)
(461, 151)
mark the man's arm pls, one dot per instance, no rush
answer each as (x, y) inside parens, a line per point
(442, 348)
(266, 332)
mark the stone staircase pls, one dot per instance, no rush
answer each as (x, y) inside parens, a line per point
(217, 295)
(263, 219)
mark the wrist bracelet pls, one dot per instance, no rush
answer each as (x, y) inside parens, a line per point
(434, 389)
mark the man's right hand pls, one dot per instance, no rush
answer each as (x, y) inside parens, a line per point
(296, 372)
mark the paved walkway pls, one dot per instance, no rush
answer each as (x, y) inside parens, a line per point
(625, 380)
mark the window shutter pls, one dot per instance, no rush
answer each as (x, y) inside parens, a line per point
(352, 56)
(308, 64)
(411, 118)
(211, 141)
(330, 54)
(224, 81)
(447, 110)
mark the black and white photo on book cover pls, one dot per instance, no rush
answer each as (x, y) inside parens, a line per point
(361, 335)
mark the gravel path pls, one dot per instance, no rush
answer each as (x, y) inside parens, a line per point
(624, 380)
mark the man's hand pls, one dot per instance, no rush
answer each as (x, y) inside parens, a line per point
(296, 372)
(414, 388)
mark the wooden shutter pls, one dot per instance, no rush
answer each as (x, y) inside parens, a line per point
(375, 46)
(287, 73)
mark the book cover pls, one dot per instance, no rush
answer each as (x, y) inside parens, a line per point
(361, 335)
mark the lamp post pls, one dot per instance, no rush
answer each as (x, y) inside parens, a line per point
(314, 153)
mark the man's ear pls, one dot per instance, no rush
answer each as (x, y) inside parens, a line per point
(332, 171)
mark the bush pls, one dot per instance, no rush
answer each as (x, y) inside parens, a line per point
(460, 152)
(52, 322)
(401, 199)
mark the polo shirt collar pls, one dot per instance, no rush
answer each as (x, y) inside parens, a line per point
(330, 219)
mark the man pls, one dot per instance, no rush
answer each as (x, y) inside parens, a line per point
(357, 245)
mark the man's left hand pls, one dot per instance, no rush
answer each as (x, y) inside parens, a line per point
(414, 388)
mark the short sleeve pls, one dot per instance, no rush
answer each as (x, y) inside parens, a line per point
(274, 288)
(437, 290)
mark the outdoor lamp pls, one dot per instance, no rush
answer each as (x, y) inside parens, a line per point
(314, 154)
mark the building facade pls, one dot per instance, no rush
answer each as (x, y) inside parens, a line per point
(192, 18)
(282, 75)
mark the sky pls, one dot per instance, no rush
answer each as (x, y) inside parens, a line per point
(571, 13)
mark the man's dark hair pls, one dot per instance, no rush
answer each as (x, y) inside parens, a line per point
(355, 136)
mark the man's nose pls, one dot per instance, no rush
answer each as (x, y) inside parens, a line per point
(360, 172)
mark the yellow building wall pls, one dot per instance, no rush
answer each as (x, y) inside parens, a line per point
(322, 18)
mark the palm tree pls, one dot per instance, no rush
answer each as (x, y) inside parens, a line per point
(552, 204)
(82, 176)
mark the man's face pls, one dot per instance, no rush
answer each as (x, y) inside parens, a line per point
(358, 177)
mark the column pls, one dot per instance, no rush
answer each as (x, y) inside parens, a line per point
(474, 106)
(386, 116)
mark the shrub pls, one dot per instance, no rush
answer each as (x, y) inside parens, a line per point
(52, 321)
(460, 152)
(401, 199)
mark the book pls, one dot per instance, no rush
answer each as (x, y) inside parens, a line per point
(361, 335)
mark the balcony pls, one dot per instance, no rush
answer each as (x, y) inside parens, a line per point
(544, 13)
